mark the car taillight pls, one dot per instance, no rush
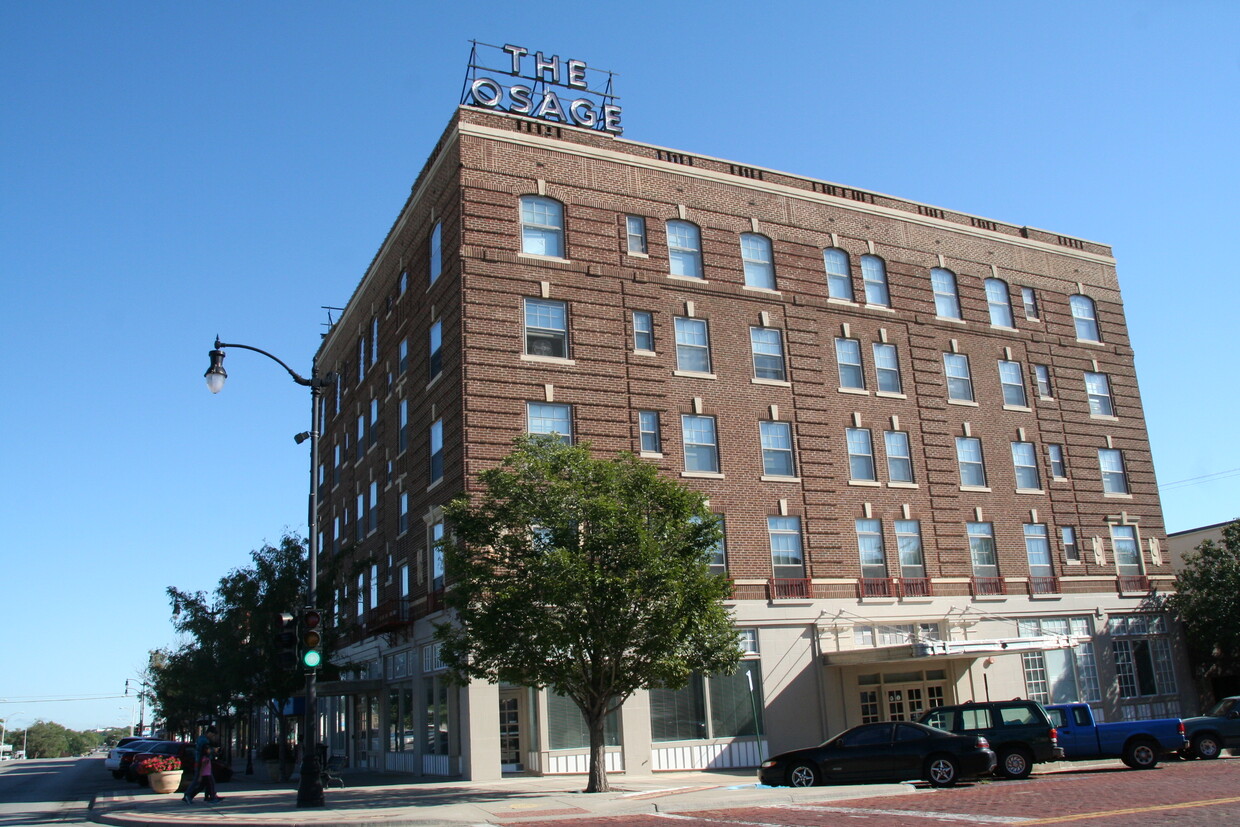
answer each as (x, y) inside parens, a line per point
(1054, 737)
(982, 743)
(1182, 731)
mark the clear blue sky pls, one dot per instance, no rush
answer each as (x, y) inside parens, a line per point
(176, 170)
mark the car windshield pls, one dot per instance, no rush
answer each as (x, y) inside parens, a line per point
(1221, 708)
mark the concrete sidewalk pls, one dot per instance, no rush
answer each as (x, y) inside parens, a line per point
(377, 800)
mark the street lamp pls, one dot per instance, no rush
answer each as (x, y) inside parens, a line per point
(310, 788)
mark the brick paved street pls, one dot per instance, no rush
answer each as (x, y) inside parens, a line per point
(1197, 792)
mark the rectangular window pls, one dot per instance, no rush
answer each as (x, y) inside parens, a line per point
(1059, 466)
(372, 430)
(768, 353)
(643, 331)
(785, 537)
(1025, 461)
(436, 251)
(946, 300)
(546, 328)
(542, 226)
(999, 303)
(402, 351)
(959, 380)
(1098, 388)
(860, 455)
(361, 436)
(1127, 552)
(874, 276)
(839, 277)
(908, 538)
(777, 449)
(361, 359)
(374, 340)
(547, 418)
(887, 368)
(701, 449)
(684, 249)
(1114, 478)
(402, 438)
(899, 456)
(635, 234)
(969, 457)
(566, 726)
(648, 429)
(435, 362)
(434, 539)
(1029, 299)
(1038, 550)
(1013, 382)
(758, 261)
(982, 550)
(692, 345)
(1071, 551)
(372, 515)
(848, 357)
(403, 526)
(1042, 378)
(436, 437)
(359, 517)
(870, 547)
(717, 556)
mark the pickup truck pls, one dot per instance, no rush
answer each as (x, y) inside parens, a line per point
(1139, 744)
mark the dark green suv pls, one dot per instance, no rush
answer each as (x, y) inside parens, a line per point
(1019, 731)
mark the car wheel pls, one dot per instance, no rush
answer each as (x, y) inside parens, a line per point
(1205, 745)
(1141, 755)
(942, 771)
(1015, 762)
(802, 775)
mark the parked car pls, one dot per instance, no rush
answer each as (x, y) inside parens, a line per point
(889, 751)
(1220, 727)
(126, 746)
(1139, 744)
(1019, 731)
(182, 749)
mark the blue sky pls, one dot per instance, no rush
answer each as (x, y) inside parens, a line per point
(171, 171)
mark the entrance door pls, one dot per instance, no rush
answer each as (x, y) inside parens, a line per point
(510, 732)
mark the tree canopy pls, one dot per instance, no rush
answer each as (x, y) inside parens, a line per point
(589, 576)
(1207, 601)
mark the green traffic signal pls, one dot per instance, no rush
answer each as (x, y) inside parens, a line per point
(311, 639)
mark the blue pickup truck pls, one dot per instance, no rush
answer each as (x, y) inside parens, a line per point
(1139, 744)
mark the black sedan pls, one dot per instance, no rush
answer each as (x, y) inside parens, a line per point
(890, 751)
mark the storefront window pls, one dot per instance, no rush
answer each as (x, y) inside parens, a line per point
(720, 706)
(566, 726)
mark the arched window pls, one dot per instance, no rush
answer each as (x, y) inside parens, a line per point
(839, 276)
(436, 251)
(759, 261)
(542, 226)
(1085, 316)
(874, 274)
(1000, 303)
(684, 249)
(946, 300)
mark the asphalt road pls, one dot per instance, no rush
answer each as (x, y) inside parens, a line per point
(50, 790)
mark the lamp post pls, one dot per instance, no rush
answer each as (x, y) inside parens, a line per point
(310, 787)
(141, 693)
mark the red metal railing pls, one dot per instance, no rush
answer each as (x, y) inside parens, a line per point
(915, 587)
(987, 585)
(1044, 585)
(876, 587)
(788, 588)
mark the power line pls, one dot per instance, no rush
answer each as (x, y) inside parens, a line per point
(1204, 478)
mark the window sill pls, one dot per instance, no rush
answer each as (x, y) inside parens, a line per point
(1104, 417)
(982, 489)
(538, 257)
(890, 395)
(778, 383)
(650, 454)
(776, 478)
(702, 475)
(644, 353)
(903, 485)
(1030, 491)
(547, 360)
(883, 308)
(1117, 496)
(866, 483)
(632, 254)
(435, 484)
(692, 374)
(1021, 408)
(965, 402)
(845, 302)
(693, 279)
(949, 320)
(855, 391)
(770, 291)
(1004, 328)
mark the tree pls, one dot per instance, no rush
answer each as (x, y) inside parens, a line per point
(588, 576)
(1207, 601)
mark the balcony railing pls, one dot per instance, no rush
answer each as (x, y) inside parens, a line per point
(876, 587)
(1134, 583)
(983, 586)
(388, 616)
(1044, 585)
(798, 588)
(915, 587)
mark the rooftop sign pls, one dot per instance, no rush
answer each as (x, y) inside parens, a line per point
(537, 96)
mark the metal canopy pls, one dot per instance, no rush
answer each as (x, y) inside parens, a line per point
(944, 650)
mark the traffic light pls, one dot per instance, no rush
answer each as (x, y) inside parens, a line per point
(311, 638)
(286, 640)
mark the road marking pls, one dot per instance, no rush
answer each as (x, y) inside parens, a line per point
(930, 814)
(1132, 811)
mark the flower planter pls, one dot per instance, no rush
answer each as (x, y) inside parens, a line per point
(164, 782)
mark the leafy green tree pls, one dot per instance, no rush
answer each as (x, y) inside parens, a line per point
(1207, 601)
(588, 576)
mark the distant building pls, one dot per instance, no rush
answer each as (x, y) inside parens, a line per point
(921, 428)
(1182, 542)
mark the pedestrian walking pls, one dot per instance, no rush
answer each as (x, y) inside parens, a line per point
(204, 778)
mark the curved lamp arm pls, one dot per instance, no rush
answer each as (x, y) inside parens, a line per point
(216, 374)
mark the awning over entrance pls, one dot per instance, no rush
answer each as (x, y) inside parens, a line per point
(942, 650)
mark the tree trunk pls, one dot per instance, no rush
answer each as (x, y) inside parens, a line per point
(595, 720)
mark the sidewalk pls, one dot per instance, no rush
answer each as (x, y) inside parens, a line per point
(378, 800)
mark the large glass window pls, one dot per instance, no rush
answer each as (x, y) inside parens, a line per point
(758, 260)
(684, 249)
(719, 706)
(999, 302)
(848, 358)
(1098, 389)
(839, 275)
(946, 300)
(1025, 461)
(785, 537)
(436, 727)
(701, 447)
(549, 418)
(982, 550)
(874, 275)
(546, 328)
(542, 226)
(870, 547)
(1012, 380)
(899, 456)
(908, 538)
(566, 726)
(768, 353)
(860, 455)
(887, 368)
(1143, 663)
(1060, 676)
(777, 449)
(1127, 551)
(1038, 550)
(1114, 477)
(959, 379)
(1085, 317)
(969, 457)
(692, 345)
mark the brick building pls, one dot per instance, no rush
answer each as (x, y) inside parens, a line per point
(921, 428)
